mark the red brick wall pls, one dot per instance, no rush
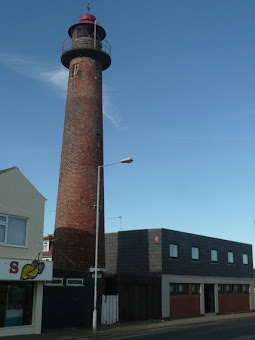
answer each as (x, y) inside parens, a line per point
(229, 303)
(184, 305)
(76, 215)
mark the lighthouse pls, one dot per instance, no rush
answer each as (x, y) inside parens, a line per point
(86, 54)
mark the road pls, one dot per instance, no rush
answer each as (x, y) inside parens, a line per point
(239, 329)
(223, 327)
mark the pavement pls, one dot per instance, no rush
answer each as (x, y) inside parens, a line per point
(128, 327)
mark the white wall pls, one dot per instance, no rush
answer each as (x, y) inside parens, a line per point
(19, 198)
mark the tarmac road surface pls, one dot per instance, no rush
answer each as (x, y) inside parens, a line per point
(221, 327)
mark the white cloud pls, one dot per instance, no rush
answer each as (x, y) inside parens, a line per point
(108, 106)
(56, 77)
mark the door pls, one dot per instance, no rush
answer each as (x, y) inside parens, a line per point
(209, 298)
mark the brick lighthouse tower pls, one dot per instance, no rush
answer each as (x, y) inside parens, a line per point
(86, 55)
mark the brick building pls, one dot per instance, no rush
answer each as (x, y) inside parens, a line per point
(68, 300)
(47, 247)
(160, 273)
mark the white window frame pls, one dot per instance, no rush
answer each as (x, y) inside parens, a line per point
(47, 243)
(6, 231)
(5, 223)
(51, 283)
(81, 284)
(75, 69)
(248, 289)
(46, 258)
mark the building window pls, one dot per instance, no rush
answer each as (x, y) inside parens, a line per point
(75, 69)
(214, 255)
(13, 230)
(82, 32)
(245, 259)
(195, 288)
(16, 303)
(194, 253)
(230, 257)
(229, 289)
(56, 281)
(46, 246)
(174, 251)
(178, 288)
(237, 289)
(74, 282)
(246, 289)
(220, 288)
(172, 287)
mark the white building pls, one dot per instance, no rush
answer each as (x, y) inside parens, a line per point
(21, 271)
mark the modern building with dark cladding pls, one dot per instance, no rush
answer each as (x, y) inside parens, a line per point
(193, 274)
(204, 267)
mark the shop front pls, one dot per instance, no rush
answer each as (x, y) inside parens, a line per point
(21, 295)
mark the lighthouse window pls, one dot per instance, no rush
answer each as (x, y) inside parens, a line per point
(98, 142)
(75, 70)
(98, 72)
(82, 32)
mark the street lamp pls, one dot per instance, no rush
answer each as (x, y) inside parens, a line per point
(125, 160)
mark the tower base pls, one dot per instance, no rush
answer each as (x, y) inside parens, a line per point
(70, 306)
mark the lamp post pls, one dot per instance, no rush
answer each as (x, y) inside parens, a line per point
(120, 218)
(125, 160)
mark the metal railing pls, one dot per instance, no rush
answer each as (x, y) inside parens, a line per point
(85, 42)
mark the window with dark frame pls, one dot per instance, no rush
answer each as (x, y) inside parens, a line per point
(245, 289)
(174, 250)
(214, 255)
(229, 289)
(82, 32)
(16, 303)
(178, 288)
(98, 142)
(172, 288)
(195, 254)
(245, 259)
(230, 257)
(237, 289)
(195, 288)
(220, 288)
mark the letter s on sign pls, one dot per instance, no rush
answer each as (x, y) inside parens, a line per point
(14, 267)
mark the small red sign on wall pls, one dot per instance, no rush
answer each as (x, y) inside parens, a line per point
(156, 239)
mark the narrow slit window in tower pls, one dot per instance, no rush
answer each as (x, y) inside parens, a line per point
(98, 73)
(75, 70)
(98, 142)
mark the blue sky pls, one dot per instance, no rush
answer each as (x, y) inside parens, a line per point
(179, 98)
